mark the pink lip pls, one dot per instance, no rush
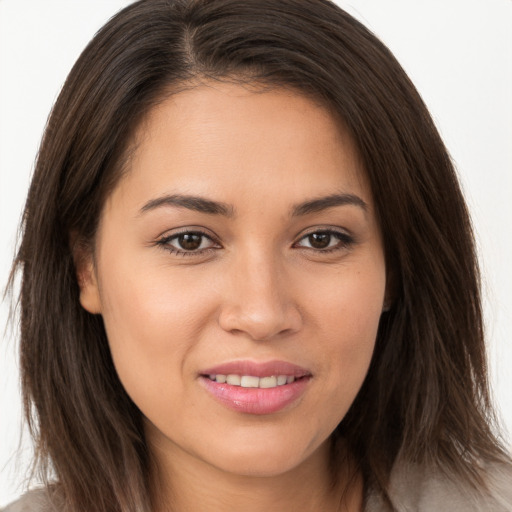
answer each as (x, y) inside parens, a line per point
(257, 369)
(256, 400)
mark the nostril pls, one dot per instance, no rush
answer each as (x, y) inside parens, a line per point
(260, 324)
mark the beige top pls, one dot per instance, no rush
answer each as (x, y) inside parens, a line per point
(411, 490)
(417, 490)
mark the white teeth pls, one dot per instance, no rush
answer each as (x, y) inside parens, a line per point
(234, 380)
(268, 382)
(249, 381)
(281, 379)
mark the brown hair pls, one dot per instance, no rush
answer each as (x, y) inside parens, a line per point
(425, 398)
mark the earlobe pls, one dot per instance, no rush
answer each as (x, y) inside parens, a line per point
(89, 292)
(86, 277)
(390, 293)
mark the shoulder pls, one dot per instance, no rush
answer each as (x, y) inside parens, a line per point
(415, 489)
(32, 501)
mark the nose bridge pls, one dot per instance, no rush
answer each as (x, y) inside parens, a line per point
(259, 302)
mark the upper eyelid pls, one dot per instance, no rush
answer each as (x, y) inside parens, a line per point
(170, 234)
(207, 233)
(324, 229)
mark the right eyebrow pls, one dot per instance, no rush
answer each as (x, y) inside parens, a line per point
(195, 203)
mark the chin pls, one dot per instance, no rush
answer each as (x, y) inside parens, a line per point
(260, 468)
(267, 459)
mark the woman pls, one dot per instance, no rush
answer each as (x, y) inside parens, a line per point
(241, 287)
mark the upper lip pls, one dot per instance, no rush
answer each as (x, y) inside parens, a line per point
(257, 369)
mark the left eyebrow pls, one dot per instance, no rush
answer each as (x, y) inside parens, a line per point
(323, 203)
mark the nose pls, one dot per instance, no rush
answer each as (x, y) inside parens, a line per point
(259, 299)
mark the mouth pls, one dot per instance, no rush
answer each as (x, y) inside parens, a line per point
(256, 388)
(252, 381)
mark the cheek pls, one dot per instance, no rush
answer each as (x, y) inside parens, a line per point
(153, 321)
(350, 300)
(346, 312)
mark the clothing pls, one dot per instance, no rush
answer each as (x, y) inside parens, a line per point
(412, 489)
(32, 501)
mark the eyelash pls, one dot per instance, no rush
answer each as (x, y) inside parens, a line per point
(345, 241)
(165, 242)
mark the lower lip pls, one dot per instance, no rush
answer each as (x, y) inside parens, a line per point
(256, 400)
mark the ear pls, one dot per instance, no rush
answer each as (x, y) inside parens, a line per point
(86, 275)
(391, 291)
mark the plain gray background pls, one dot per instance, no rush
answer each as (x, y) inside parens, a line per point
(457, 52)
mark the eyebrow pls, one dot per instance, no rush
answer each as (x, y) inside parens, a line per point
(202, 205)
(195, 203)
(324, 203)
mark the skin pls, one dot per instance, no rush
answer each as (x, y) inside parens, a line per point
(256, 289)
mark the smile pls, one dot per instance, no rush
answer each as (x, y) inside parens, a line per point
(256, 387)
(251, 381)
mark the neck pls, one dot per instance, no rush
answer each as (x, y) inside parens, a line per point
(186, 484)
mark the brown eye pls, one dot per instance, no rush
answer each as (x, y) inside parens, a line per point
(190, 241)
(326, 241)
(319, 240)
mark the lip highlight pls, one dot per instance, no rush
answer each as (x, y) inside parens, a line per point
(256, 388)
(257, 369)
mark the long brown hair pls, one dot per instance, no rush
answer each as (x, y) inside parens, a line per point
(425, 398)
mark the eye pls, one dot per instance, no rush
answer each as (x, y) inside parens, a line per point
(188, 242)
(325, 240)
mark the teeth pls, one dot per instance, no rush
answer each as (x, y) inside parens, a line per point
(268, 382)
(249, 381)
(234, 380)
(281, 379)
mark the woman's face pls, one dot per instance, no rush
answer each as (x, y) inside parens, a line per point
(240, 246)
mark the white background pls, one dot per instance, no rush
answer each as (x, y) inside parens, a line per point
(457, 52)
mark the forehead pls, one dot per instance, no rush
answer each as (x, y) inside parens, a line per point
(232, 140)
